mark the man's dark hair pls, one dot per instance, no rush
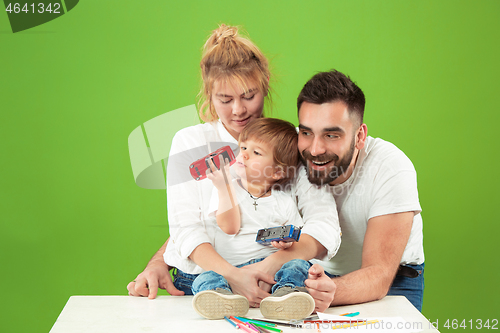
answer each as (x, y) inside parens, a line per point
(333, 86)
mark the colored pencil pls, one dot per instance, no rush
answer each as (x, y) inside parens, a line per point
(245, 328)
(268, 328)
(277, 323)
(354, 324)
(231, 322)
(237, 320)
(255, 328)
(255, 321)
(332, 321)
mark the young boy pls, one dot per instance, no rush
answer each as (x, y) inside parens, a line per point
(267, 160)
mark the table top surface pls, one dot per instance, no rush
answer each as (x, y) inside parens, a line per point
(175, 314)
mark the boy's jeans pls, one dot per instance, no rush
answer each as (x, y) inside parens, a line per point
(292, 274)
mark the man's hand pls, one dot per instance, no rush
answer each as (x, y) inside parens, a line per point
(245, 281)
(320, 287)
(155, 275)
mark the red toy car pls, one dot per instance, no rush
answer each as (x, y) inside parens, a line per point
(199, 168)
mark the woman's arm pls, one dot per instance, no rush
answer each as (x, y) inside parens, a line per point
(155, 275)
(242, 281)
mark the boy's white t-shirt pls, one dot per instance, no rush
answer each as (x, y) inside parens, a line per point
(384, 182)
(278, 209)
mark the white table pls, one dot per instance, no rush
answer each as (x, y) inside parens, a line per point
(123, 314)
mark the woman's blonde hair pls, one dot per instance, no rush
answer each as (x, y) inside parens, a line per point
(230, 58)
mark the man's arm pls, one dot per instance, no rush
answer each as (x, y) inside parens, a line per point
(385, 240)
(156, 274)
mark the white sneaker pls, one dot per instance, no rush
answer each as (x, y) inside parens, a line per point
(215, 304)
(287, 303)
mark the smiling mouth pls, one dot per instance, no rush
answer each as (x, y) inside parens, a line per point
(241, 121)
(319, 164)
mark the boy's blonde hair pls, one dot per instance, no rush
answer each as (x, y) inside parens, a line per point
(282, 138)
(229, 58)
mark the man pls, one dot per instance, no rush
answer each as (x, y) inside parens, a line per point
(374, 185)
(375, 188)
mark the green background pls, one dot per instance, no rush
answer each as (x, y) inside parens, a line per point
(71, 91)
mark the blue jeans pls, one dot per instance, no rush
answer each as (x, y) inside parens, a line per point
(292, 274)
(411, 288)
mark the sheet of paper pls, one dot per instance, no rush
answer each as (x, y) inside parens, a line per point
(379, 324)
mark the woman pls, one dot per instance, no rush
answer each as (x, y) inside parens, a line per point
(235, 85)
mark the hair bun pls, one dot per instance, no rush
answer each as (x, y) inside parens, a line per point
(224, 32)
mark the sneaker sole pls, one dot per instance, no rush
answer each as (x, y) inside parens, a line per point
(296, 305)
(213, 305)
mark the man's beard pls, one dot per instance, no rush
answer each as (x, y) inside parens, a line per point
(328, 175)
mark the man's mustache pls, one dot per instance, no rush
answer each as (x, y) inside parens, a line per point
(306, 155)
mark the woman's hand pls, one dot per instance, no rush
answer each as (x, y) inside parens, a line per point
(268, 267)
(155, 275)
(245, 281)
(320, 287)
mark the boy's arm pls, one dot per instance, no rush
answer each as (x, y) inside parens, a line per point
(306, 248)
(228, 212)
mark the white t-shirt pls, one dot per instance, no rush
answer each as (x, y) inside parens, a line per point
(275, 210)
(188, 201)
(384, 182)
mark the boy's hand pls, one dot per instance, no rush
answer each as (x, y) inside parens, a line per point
(220, 178)
(282, 245)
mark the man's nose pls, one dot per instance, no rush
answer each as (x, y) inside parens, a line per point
(317, 147)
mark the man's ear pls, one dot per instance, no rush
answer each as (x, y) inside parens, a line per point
(361, 135)
(278, 173)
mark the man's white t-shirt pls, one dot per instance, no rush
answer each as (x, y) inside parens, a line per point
(384, 182)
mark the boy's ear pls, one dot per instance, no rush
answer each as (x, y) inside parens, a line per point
(278, 173)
